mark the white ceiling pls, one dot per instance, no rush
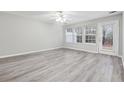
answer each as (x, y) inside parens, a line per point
(71, 16)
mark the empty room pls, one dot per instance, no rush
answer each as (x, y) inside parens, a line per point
(61, 46)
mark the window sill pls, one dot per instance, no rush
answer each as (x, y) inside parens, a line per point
(94, 44)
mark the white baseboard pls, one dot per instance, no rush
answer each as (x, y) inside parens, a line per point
(81, 49)
(53, 49)
(12, 55)
(122, 59)
(29, 52)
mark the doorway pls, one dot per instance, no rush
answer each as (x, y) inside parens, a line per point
(108, 37)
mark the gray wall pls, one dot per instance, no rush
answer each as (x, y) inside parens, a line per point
(93, 48)
(20, 34)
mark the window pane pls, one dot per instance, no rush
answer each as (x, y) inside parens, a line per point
(69, 35)
(107, 36)
(86, 37)
(90, 39)
(79, 39)
(90, 34)
(78, 35)
(86, 40)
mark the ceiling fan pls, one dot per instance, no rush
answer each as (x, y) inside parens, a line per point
(60, 17)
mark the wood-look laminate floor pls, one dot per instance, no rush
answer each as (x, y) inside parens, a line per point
(61, 65)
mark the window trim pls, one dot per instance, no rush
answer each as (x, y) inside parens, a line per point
(86, 43)
(78, 27)
(83, 29)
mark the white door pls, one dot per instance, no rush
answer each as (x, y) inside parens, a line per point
(108, 37)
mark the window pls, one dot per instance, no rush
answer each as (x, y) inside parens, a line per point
(90, 34)
(69, 35)
(78, 35)
(107, 39)
(75, 34)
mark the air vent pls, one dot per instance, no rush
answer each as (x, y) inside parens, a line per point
(112, 12)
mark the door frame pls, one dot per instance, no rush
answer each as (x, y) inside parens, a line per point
(115, 38)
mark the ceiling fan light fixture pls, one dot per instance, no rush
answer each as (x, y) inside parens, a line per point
(60, 17)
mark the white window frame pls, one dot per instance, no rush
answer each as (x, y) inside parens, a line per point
(93, 25)
(66, 36)
(115, 38)
(75, 36)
